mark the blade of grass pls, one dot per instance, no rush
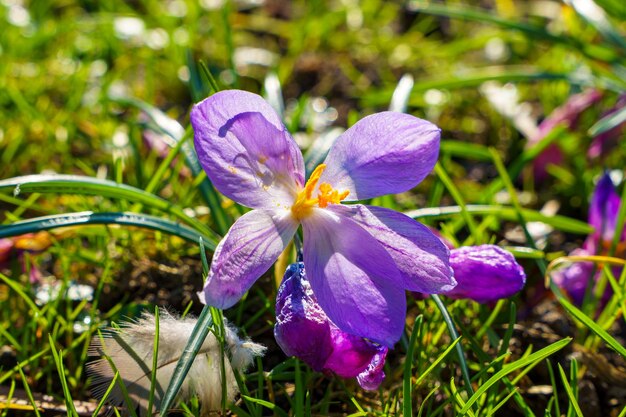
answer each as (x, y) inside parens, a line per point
(437, 361)
(199, 333)
(454, 335)
(573, 402)
(76, 184)
(407, 389)
(511, 367)
(456, 195)
(29, 394)
(507, 213)
(90, 218)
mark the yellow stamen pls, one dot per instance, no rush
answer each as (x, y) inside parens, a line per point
(304, 203)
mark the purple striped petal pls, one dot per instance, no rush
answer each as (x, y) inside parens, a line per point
(246, 151)
(353, 278)
(247, 251)
(385, 153)
(421, 257)
(485, 273)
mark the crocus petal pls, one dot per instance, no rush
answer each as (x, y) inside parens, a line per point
(351, 354)
(302, 328)
(246, 151)
(247, 251)
(485, 273)
(575, 278)
(604, 208)
(371, 378)
(384, 153)
(353, 278)
(421, 257)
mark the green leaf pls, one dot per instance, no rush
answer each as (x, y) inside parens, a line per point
(563, 223)
(511, 367)
(591, 324)
(76, 184)
(608, 122)
(199, 333)
(119, 218)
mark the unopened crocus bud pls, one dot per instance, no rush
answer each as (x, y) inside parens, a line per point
(485, 273)
(303, 330)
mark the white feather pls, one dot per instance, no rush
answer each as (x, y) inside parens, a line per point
(130, 349)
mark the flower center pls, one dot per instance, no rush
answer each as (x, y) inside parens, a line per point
(305, 202)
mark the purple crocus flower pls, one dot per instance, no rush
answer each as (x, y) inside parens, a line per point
(604, 142)
(485, 273)
(360, 259)
(566, 115)
(603, 211)
(303, 330)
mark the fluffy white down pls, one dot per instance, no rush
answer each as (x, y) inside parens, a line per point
(130, 350)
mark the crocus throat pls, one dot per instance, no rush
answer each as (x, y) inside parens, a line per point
(304, 204)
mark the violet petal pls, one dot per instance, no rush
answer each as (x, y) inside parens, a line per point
(385, 153)
(485, 273)
(353, 278)
(421, 257)
(247, 251)
(246, 151)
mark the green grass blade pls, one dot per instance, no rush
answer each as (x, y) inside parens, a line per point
(437, 361)
(454, 335)
(511, 367)
(155, 360)
(270, 406)
(563, 223)
(58, 359)
(198, 335)
(608, 122)
(91, 218)
(589, 323)
(573, 402)
(29, 394)
(76, 184)
(407, 388)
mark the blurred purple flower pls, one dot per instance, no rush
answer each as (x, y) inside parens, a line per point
(360, 259)
(17, 247)
(603, 211)
(485, 273)
(303, 330)
(606, 141)
(566, 115)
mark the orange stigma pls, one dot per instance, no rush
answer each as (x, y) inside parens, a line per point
(304, 204)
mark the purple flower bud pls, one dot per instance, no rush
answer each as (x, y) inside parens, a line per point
(485, 273)
(603, 211)
(575, 278)
(303, 330)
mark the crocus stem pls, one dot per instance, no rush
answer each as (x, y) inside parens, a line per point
(454, 335)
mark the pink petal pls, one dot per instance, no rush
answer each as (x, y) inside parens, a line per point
(421, 257)
(247, 251)
(385, 153)
(246, 151)
(353, 278)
